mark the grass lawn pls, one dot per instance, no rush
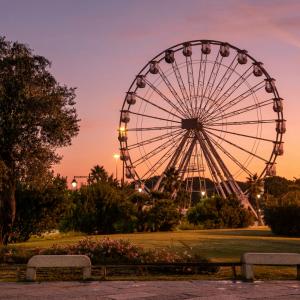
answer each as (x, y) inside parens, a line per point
(219, 245)
(222, 245)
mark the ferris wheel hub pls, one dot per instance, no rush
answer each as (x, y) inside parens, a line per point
(192, 123)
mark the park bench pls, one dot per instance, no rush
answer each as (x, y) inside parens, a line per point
(268, 259)
(58, 261)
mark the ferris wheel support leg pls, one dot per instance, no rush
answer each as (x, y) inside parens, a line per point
(212, 165)
(233, 184)
(184, 163)
(215, 163)
(172, 161)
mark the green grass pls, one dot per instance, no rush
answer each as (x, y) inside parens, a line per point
(218, 245)
(222, 245)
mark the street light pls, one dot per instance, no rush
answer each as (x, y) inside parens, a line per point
(74, 182)
(116, 157)
(203, 193)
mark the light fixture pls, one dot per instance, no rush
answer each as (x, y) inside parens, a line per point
(74, 183)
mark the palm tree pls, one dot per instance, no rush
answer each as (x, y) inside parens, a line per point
(97, 174)
(171, 182)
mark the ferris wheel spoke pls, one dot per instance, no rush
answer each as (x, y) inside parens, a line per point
(180, 80)
(236, 146)
(170, 153)
(241, 97)
(153, 128)
(152, 140)
(243, 110)
(236, 161)
(191, 82)
(156, 151)
(212, 78)
(174, 158)
(181, 103)
(241, 123)
(201, 80)
(224, 79)
(158, 163)
(159, 107)
(180, 110)
(153, 117)
(222, 99)
(240, 134)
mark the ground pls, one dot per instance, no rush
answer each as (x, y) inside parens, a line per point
(152, 290)
(219, 245)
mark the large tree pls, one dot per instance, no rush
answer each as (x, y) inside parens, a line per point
(37, 116)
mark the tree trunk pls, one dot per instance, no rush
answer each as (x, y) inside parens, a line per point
(7, 209)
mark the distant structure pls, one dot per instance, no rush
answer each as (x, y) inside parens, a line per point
(206, 109)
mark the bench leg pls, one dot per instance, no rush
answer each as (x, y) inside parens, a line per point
(233, 272)
(298, 272)
(87, 272)
(247, 272)
(31, 274)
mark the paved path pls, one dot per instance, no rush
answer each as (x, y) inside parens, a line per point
(150, 290)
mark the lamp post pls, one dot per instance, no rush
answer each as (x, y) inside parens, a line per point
(116, 157)
(260, 220)
(74, 182)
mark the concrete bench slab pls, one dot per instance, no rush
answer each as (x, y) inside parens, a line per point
(276, 259)
(58, 261)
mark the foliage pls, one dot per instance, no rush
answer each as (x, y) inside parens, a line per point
(99, 208)
(277, 186)
(283, 214)
(216, 212)
(99, 174)
(37, 116)
(255, 188)
(15, 255)
(109, 251)
(163, 215)
(39, 210)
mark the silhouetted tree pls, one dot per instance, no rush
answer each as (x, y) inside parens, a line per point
(37, 116)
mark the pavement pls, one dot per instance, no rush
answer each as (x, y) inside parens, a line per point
(150, 290)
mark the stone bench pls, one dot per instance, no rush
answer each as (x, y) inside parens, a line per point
(268, 259)
(58, 261)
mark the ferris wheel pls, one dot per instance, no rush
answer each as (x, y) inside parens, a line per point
(208, 110)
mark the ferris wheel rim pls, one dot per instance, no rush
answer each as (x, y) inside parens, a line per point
(178, 47)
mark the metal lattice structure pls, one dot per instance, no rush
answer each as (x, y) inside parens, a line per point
(207, 109)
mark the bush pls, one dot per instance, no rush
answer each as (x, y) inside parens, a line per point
(283, 214)
(163, 215)
(39, 209)
(99, 208)
(108, 251)
(217, 212)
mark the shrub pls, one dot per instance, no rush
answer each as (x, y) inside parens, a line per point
(99, 208)
(283, 214)
(163, 215)
(39, 209)
(217, 212)
(109, 251)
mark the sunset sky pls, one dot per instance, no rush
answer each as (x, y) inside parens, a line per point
(99, 46)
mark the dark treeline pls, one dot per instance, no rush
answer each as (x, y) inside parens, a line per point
(103, 206)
